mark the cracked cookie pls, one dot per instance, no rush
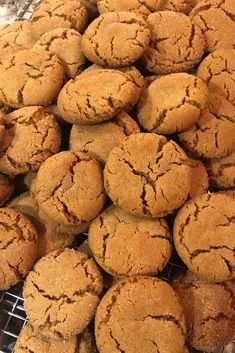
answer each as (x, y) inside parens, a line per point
(213, 135)
(100, 139)
(147, 176)
(32, 127)
(66, 44)
(116, 39)
(58, 303)
(18, 246)
(30, 77)
(209, 311)
(140, 7)
(216, 21)
(18, 35)
(74, 193)
(124, 245)
(176, 43)
(140, 314)
(204, 236)
(95, 96)
(199, 179)
(218, 72)
(172, 5)
(172, 103)
(6, 188)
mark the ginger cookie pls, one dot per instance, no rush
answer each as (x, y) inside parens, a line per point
(216, 21)
(74, 193)
(143, 8)
(140, 314)
(204, 236)
(100, 139)
(18, 35)
(124, 245)
(199, 179)
(66, 44)
(31, 77)
(172, 5)
(176, 44)
(218, 72)
(6, 188)
(60, 305)
(172, 103)
(209, 309)
(147, 176)
(32, 127)
(19, 246)
(95, 96)
(213, 136)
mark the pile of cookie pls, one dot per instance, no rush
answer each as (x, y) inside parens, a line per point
(115, 118)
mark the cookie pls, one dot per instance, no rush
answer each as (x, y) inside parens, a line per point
(140, 314)
(218, 72)
(18, 35)
(199, 179)
(204, 236)
(125, 245)
(31, 77)
(216, 21)
(74, 193)
(143, 8)
(222, 171)
(6, 188)
(34, 128)
(176, 44)
(66, 44)
(209, 311)
(172, 5)
(19, 246)
(213, 136)
(62, 305)
(147, 176)
(190, 5)
(100, 139)
(95, 96)
(172, 103)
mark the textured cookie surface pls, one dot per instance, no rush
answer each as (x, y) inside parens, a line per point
(62, 305)
(148, 166)
(18, 35)
(138, 315)
(199, 179)
(6, 188)
(172, 103)
(204, 236)
(19, 246)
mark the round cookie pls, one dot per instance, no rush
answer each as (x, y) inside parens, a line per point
(19, 246)
(216, 21)
(62, 305)
(172, 103)
(95, 96)
(199, 179)
(125, 245)
(66, 44)
(100, 139)
(147, 176)
(213, 136)
(6, 188)
(204, 236)
(32, 127)
(74, 193)
(140, 314)
(31, 77)
(209, 311)
(218, 72)
(176, 43)
(116, 39)
(18, 35)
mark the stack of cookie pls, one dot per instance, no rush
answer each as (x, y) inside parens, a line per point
(116, 117)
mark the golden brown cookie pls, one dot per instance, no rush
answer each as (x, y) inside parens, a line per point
(199, 179)
(218, 72)
(209, 311)
(32, 127)
(172, 5)
(95, 96)
(19, 246)
(147, 176)
(18, 35)
(140, 314)
(31, 77)
(124, 245)
(172, 103)
(216, 21)
(213, 136)
(100, 139)
(204, 236)
(74, 193)
(176, 43)
(62, 305)
(143, 8)
(6, 188)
